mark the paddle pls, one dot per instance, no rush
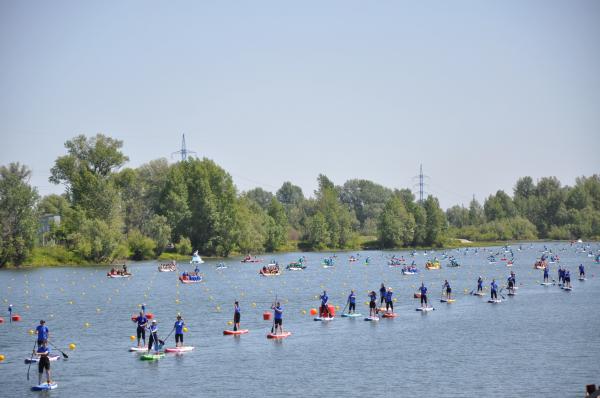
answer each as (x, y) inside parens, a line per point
(501, 295)
(273, 325)
(162, 342)
(31, 359)
(344, 310)
(58, 349)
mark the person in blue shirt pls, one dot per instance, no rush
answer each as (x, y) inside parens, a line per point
(324, 307)
(43, 352)
(142, 322)
(372, 303)
(389, 304)
(42, 333)
(179, 323)
(278, 317)
(382, 292)
(236, 316)
(514, 277)
(480, 284)
(511, 284)
(351, 302)
(494, 290)
(423, 290)
(546, 272)
(581, 271)
(567, 278)
(153, 339)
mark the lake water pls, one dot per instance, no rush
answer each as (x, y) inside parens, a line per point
(542, 342)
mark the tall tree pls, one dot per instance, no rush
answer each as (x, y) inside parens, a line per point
(396, 226)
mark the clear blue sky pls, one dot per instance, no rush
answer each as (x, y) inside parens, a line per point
(480, 92)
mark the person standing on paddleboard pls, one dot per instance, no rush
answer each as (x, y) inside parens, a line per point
(480, 284)
(278, 317)
(389, 304)
(423, 290)
(494, 290)
(581, 271)
(179, 323)
(142, 323)
(324, 307)
(43, 352)
(546, 271)
(42, 333)
(448, 289)
(511, 285)
(514, 277)
(351, 302)
(153, 339)
(382, 292)
(372, 304)
(236, 316)
(567, 278)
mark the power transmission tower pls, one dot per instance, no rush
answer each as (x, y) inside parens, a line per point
(421, 183)
(184, 152)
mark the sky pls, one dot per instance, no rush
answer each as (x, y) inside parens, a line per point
(479, 92)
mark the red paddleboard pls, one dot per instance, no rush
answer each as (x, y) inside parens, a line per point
(390, 315)
(235, 332)
(279, 336)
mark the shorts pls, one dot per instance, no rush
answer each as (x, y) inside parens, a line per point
(141, 333)
(236, 317)
(178, 338)
(372, 304)
(44, 363)
(42, 342)
(278, 322)
(448, 290)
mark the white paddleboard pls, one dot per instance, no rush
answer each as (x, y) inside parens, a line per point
(138, 349)
(424, 309)
(353, 315)
(372, 318)
(546, 283)
(180, 349)
(496, 301)
(318, 318)
(44, 387)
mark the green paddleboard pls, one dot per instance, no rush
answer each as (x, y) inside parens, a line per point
(151, 357)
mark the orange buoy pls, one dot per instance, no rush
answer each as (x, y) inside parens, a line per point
(149, 315)
(16, 318)
(267, 316)
(313, 311)
(1, 320)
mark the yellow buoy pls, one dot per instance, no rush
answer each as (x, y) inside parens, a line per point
(31, 331)
(1, 357)
(87, 325)
(230, 322)
(132, 337)
(72, 346)
(303, 312)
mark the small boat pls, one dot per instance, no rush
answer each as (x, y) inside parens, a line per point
(190, 279)
(117, 275)
(221, 266)
(249, 259)
(168, 267)
(196, 259)
(297, 266)
(267, 273)
(433, 265)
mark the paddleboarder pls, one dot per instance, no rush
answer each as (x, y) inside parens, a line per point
(480, 285)
(44, 363)
(142, 323)
(324, 307)
(382, 292)
(567, 278)
(179, 323)
(423, 290)
(372, 303)
(278, 317)
(42, 333)
(546, 271)
(351, 302)
(494, 290)
(236, 316)
(389, 304)
(581, 271)
(448, 289)
(153, 339)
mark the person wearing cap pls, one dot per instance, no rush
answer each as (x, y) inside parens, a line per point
(178, 331)
(153, 337)
(43, 352)
(142, 323)
(42, 333)
(324, 307)
(236, 315)
(480, 284)
(389, 304)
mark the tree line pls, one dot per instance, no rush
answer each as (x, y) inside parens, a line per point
(111, 212)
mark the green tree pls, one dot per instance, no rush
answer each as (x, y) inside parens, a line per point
(367, 200)
(140, 246)
(260, 196)
(436, 222)
(317, 232)
(18, 218)
(396, 226)
(290, 194)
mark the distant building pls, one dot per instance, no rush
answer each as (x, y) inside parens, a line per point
(46, 221)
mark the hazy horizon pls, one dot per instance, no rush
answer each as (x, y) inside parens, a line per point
(479, 93)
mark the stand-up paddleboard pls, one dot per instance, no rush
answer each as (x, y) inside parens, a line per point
(179, 349)
(582, 279)
(372, 318)
(390, 315)
(152, 357)
(352, 315)
(44, 387)
(511, 293)
(424, 309)
(138, 349)
(480, 294)
(568, 289)
(546, 283)
(37, 359)
(324, 318)
(235, 332)
(449, 301)
(495, 301)
(279, 336)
